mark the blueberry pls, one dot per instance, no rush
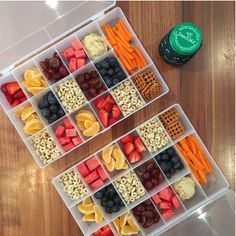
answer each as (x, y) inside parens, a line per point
(164, 166)
(116, 208)
(174, 159)
(105, 65)
(46, 113)
(108, 81)
(108, 210)
(102, 72)
(104, 203)
(121, 76)
(110, 203)
(122, 204)
(158, 158)
(178, 166)
(116, 65)
(53, 108)
(168, 175)
(112, 62)
(98, 195)
(104, 198)
(172, 171)
(111, 192)
(165, 157)
(103, 190)
(110, 72)
(170, 151)
(60, 112)
(115, 81)
(117, 70)
(53, 118)
(52, 99)
(98, 65)
(117, 199)
(43, 103)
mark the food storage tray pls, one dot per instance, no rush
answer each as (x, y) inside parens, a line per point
(205, 194)
(16, 74)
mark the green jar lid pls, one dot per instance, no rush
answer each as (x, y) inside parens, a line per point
(185, 38)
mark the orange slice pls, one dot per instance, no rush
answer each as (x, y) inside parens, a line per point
(85, 116)
(106, 154)
(88, 124)
(111, 165)
(87, 201)
(125, 166)
(33, 126)
(119, 157)
(43, 82)
(123, 219)
(94, 129)
(98, 214)
(128, 230)
(30, 78)
(31, 117)
(116, 222)
(26, 112)
(35, 90)
(90, 217)
(19, 111)
(86, 209)
(81, 125)
(131, 222)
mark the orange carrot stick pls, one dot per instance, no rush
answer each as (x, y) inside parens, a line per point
(196, 142)
(123, 42)
(205, 162)
(184, 145)
(194, 159)
(123, 60)
(110, 34)
(125, 35)
(202, 176)
(122, 25)
(125, 55)
(136, 49)
(192, 146)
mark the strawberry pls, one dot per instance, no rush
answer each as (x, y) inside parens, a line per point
(139, 144)
(134, 156)
(12, 87)
(69, 53)
(64, 140)
(19, 94)
(116, 112)
(97, 233)
(156, 199)
(111, 121)
(166, 194)
(165, 205)
(68, 123)
(127, 138)
(103, 116)
(98, 103)
(9, 98)
(110, 99)
(107, 232)
(16, 102)
(77, 140)
(22, 99)
(167, 214)
(128, 148)
(60, 130)
(175, 202)
(68, 146)
(4, 88)
(108, 107)
(76, 44)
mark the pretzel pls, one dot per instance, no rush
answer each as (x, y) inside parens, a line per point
(175, 129)
(169, 117)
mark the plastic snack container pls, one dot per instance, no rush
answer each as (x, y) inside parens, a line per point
(210, 211)
(48, 37)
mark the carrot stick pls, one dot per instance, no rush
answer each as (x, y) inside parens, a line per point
(124, 44)
(139, 62)
(205, 162)
(126, 55)
(125, 35)
(141, 56)
(196, 142)
(192, 145)
(202, 176)
(110, 34)
(134, 63)
(179, 147)
(184, 145)
(194, 159)
(123, 60)
(122, 25)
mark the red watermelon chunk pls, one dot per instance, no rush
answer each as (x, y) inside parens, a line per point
(175, 202)
(96, 184)
(92, 163)
(68, 146)
(166, 194)
(60, 131)
(102, 173)
(68, 123)
(156, 199)
(70, 133)
(91, 177)
(83, 169)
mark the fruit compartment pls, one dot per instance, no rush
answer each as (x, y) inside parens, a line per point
(110, 202)
(147, 216)
(66, 134)
(72, 53)
(48, 106)
(107, 110)
(109, 156)
(108, 230)
(90, 81)
(112, 18)
(93, 173)
(26, 119)
(88, 123)
(11, 88)
(168, 204)
(32, 83)
(131, 144)
(51, 65)
(92, 28)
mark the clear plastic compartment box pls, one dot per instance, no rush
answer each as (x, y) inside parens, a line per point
(210, 211)
(55, 34)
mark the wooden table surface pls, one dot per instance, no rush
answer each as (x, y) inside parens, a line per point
(204, 87)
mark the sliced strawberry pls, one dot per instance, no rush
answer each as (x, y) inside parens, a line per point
(19, 94)
(69, 53)
(110, 99)
(134, 156)
(102, 173)
(80, 54)
(98, 103)
(97, 233)
(128, 148)
(92, 163)
(175, 202)
(166, 194)
(116, 112)
(4, 88)
(72, 64)
(103, 116)
(167, 214)
(68, 123)
(64, 140)
(22, 99)
(60, 130)
(165, 205)
(76, 44)
(91, 177)
(12, 87)
(71, 133)
(68, 146)
(107, 232)
(98, 183)
(127, 138)
(156, 199)
(80, 63)
(139, 144)
(83, 169)
(16, 102)
(112, 121)
(108, 107)
(77, 140)
(9, 98)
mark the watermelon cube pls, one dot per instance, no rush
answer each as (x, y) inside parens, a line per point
(80, 54)
(175, 202)
(167, 214)
(76, 44)
(166, 194)
(156, 199)
(92, 163)
(69, 53)
(71, 133)
(83, 169)
(64, 140)
(102, 173)
(91, 177)
(68, 123)
(68, 146)
(77, 140)
(72, 64)
(165, 205)
(80, 63)
(60, 130)
(96, 184)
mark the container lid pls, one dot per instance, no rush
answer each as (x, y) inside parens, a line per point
(185, 38)
(28, 26)
(215, 218)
